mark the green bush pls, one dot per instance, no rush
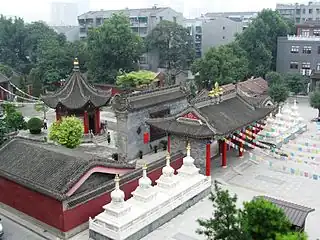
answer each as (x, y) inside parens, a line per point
(35, 125)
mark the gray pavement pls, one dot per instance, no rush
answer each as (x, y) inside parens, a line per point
(14, 231)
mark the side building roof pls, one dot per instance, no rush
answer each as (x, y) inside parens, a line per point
(211, 119)
(148, 98)
(76, 94)
(49, 169)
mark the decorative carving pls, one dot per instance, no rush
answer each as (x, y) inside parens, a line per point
(120, 103)
(191, 116)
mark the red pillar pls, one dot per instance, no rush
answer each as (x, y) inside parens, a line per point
(97, 118)
(1, 94)
(85, 122)
(58, 116)
(208, 159)
(224, 154)
(169, 143)
(240, 147)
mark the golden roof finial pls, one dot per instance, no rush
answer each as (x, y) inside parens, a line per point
(216, 90)
(76, 64)
(144, 167)
(188, 149)
(168, 158)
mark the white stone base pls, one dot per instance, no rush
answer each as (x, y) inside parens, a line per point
(167, 183)
(188, 171)
(136, 223)
(144, 195)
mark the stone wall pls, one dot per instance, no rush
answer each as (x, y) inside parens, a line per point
(130, 140)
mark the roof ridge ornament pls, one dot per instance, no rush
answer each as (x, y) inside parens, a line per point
(216, 90)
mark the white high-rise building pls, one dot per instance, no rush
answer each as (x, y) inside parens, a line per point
(64, 13)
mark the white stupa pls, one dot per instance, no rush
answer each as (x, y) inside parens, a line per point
(118, 207)
(144, 192)
(299, 123)
(167, 180)
(188, 169)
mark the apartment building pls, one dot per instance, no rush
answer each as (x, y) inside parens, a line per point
(194, 27)
(301, 52)
(300, 13)
(142, 20)
(244, 17)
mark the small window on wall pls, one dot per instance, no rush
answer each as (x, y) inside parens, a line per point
(318, 66)
(316, 32)
(295, 49)
(294, 65)
(306, 50)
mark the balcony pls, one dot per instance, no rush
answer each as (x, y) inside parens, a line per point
(303, 38)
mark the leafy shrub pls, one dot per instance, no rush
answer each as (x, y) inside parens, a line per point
(68, 132)
(15, 121)
(35, 125)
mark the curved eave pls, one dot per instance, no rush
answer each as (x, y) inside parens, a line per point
(182, 129)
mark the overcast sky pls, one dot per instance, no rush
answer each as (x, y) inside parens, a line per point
(32, 10)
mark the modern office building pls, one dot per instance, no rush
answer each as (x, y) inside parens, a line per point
(64, 13)
(300, 13)
(300, 53)
(194, 27)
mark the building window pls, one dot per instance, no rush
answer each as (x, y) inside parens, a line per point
(318, 66)
(298, 20)
(223, 27)
(306, 50)
(316, 32)
(294, 65)
(174, 19)
(305, 32)
(156, 133)
(295, 49)
(161, 18)
(304, 11)
(306, 68)
(310, 11)
(298, 11)
(318, 49)
(143, 60)
(318, 11)
(223, 37)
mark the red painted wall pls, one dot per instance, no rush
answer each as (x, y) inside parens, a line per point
(37, 205)
(114, 89)
(80, 214)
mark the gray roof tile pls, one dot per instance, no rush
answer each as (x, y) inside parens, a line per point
(46, 168)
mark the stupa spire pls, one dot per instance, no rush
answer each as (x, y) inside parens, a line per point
(167, 179)
(117, 195)
(188, 168)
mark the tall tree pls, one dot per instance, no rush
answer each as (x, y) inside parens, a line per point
(292, 236)
(315, 101)
(6, 70)
(264, 220)
(259, 40)
(278, 92)
(174, 45)
(3, 131)
(35, 79)
(224, 225)
(296, 82)
(112, 47)
(274, 78)
(224, 64)
(135, 79)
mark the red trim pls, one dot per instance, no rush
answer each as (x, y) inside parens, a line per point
(208, 159)
(240, 147)
(96, 170)
(58, 116)
(169, 143)
(224, 154)
(97, 118)
(85, 122)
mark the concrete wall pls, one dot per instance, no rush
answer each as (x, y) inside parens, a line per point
(218, 32)
(285, 57)
(130, 142)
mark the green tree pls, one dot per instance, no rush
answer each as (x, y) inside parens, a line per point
(224, 65)
(68, 132)
(296, 82)
(315, 101)
(224, 225)
(79, 49)
(35, 79)
(112, 47)
(274, 78)
(278, 92)
(262, 219)
(15, 121)
(6, 70)
(259, 41)
(293, 236)
(174, 45)
(3, 131)
(35, 125)
(9, 108)
(135, 79)
(41, 107)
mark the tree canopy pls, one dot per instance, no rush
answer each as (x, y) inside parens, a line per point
(259, 40)
(135, 79)
(315, 101)
(174, 45)
(224, 65)
(296, 83)
(112, 47)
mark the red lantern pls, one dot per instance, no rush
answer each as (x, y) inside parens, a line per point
(145, 137)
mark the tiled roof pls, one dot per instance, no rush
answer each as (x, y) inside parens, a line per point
(256, 86)
(3, 78)
(77, 93)
(295, 213)
(144, 12)
(218, 119)
(148, 98)
(48, 169)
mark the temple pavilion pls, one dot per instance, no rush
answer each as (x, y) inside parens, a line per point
(210, 121)
(78, 98)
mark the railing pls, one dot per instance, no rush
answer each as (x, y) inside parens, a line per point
(303, 38)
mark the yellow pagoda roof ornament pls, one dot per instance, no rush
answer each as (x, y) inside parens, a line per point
(216, 90)
(76, 64)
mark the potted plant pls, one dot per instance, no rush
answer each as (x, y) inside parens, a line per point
(164, 144)
(140, 154)
(35, 125)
